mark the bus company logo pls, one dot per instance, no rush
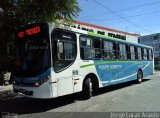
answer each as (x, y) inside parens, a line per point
(98, 31)
(110, 67)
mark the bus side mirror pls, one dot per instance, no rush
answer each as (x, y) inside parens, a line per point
(60, 47)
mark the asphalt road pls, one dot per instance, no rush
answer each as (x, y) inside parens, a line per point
(126, 97)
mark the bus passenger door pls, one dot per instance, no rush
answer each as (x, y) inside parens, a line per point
(64, 85)
(68, 81)
(63, 68)
(64, 56)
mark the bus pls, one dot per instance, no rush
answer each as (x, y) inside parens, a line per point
(54, 60)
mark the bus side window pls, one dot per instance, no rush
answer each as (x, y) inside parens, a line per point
(115, 56)
(90, 47)
(136, 52)
(97, 47)
(150, 54)
(107, 49)
(85, 44)
(142, 53)
(145, 54)
(117, 51)
(122, 52)
(128, 52)
(132, 52)
(64, 49)
(139, 53)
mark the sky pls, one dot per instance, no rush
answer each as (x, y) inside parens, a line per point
(135, 16)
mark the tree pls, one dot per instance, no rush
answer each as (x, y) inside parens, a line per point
(16, 13)
(25, 11)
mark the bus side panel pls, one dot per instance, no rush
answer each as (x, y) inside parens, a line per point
(148, 69)
(68, 80)
(114, 72)
(53, 83)
(88, 67)
(65, 86)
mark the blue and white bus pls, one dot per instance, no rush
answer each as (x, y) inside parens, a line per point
(53, 60)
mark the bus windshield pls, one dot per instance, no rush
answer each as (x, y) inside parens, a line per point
(32, 52)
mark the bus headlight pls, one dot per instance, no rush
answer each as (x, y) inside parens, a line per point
(45, 79)
(14, 82)
(36, 84)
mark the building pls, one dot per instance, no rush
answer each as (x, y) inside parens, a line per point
(131, 37)
(152, 40)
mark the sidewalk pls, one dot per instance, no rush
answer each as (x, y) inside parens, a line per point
(6, 92)
(6, 88)
(157, 72)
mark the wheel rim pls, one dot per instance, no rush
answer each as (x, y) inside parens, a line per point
(91, 87)
(139, 77)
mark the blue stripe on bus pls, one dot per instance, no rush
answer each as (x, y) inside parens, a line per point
(114, 73)
(33, 79)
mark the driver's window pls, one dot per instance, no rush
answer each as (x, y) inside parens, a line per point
(64, 49)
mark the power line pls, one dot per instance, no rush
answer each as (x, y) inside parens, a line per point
(132, 16)
(131, 8)
(139, 6)
(122, 16)
(151, 10)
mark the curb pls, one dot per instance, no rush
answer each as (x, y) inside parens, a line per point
(6, 92)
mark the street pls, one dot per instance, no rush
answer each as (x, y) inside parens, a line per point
(126, 97)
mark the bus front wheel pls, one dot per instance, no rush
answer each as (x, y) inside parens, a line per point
(139, 76)
(87, 88)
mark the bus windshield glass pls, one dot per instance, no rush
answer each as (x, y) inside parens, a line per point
(32, 51)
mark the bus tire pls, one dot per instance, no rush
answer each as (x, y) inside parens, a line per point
(139, 76)
(87, 88)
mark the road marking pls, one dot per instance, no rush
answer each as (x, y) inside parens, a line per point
(149, 85)
(114, 99)
(157, 81)
(131, 92)
(155, 84)
(92, 108)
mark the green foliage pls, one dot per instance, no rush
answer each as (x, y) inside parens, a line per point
(16, 13)
(28, 11)
(157, 65)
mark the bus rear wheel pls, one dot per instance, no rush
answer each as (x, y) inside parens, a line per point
(87, 88)
(139, 76)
